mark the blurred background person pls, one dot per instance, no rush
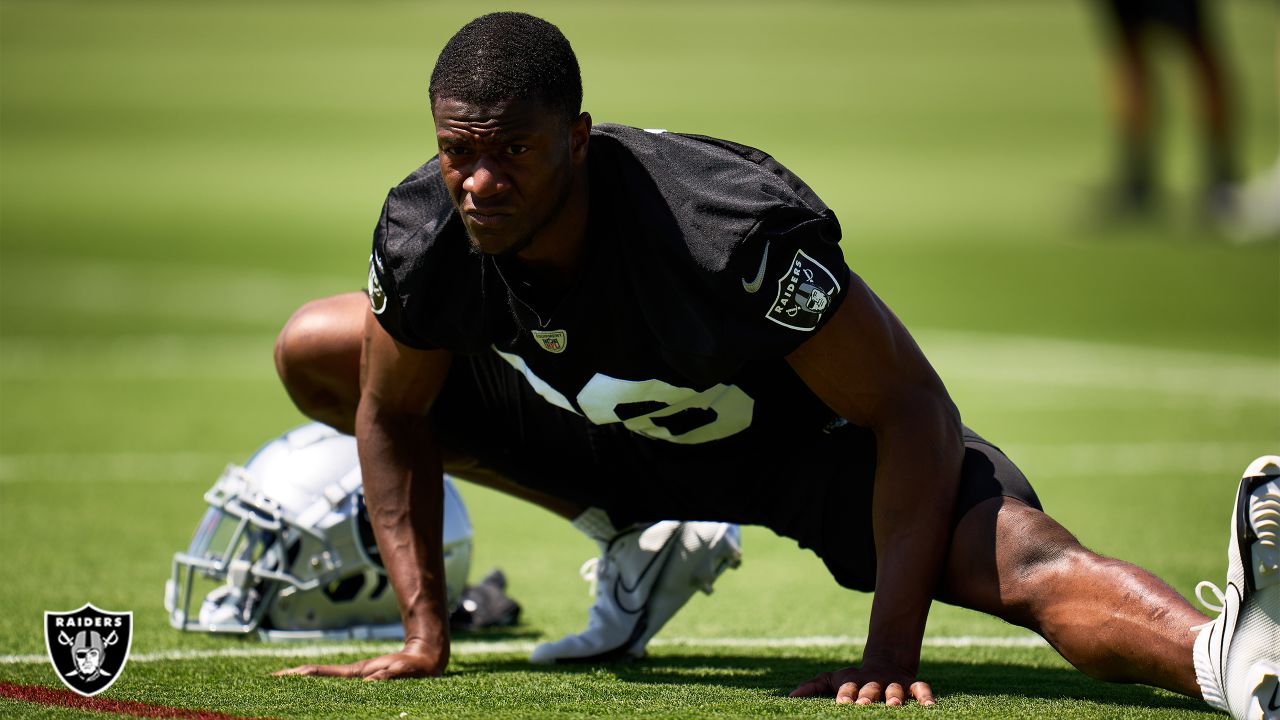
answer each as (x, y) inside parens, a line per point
(1134, 27)
(1257, 202)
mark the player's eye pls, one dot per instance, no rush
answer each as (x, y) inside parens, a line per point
(517, 149)
(454, 150)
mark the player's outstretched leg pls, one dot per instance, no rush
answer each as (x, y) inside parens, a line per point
(643, 576)
(1111, 619)
(1237, 656)
(1114, 620)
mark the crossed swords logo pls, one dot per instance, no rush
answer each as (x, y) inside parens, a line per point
(88, 647)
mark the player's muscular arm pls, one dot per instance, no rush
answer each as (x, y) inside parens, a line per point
(403, 487)
(866, 367)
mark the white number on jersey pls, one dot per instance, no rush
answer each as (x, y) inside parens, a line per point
(653, 408)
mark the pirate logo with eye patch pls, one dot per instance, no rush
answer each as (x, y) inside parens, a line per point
(88, 647)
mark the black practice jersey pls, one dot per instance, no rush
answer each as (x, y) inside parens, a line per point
(707, 263)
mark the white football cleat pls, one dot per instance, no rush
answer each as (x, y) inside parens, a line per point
(1237, 656)
(643, 576)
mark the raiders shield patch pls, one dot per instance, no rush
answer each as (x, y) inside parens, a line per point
(804, 293)
(553, 341)
(88, 647)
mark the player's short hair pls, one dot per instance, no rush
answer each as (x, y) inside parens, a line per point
(509, 56)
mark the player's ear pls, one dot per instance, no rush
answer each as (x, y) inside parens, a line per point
(580, 136)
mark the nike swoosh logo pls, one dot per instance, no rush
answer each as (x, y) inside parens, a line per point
(1275, 693)
(656, 563)
(754, 285)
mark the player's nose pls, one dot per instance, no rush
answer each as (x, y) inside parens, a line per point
(486, 178)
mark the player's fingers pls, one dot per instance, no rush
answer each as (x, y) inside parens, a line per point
(894, 694)
(352, 670)
(869, 693)
(922, 693)
(809, 688)
(846, 693)
(383, 674)
(308, 670)
(819, 685)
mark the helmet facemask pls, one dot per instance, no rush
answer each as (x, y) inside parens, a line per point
(285, 548)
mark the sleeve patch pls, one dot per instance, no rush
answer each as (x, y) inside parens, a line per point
(377, 298)
(804, 293)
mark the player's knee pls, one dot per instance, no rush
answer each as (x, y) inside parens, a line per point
(291, 345)
(317, 355)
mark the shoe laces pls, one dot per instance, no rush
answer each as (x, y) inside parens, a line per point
(590, 572)
(596, 570)
(1217, 604)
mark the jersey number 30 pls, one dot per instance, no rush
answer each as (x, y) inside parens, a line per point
(653, 408)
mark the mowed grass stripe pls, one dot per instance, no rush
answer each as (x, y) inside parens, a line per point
(1019, 360)
(140, 358)
(513, 647)
(109, 466)
(1134, 459)
(148, 289)
(1014, 361)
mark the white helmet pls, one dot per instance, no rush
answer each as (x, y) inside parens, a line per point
(288, 543)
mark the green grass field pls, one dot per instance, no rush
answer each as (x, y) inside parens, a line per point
(176, 178)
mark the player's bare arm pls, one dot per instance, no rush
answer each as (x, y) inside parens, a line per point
(402, 472)
(865, 366)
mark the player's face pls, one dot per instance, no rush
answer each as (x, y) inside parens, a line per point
(509, 168)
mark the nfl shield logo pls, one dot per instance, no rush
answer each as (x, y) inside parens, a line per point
(88, 647)
(553, 341)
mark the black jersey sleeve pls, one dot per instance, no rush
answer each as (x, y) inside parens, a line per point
(425, 287)
(733, 258)
(783, 281)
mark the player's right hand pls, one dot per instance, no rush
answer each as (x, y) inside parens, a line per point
(408, 663)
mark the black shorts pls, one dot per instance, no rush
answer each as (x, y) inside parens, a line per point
(818, 492)
(1133, 16)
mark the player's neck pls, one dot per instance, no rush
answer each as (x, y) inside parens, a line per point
(556, 254)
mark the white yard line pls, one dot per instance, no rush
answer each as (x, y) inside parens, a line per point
(506, 647)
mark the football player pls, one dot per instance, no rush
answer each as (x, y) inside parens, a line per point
(633, 325)
(1132, 26)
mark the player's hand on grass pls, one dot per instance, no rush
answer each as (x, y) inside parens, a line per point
(867, 684)
(412, 662)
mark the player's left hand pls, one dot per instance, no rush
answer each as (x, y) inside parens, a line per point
(868, 684)
(386, 667)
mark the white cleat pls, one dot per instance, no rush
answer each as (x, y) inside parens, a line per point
(643, 576)
(1237, 656)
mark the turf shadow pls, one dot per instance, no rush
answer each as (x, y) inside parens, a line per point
(497, 634)
(780, 675)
